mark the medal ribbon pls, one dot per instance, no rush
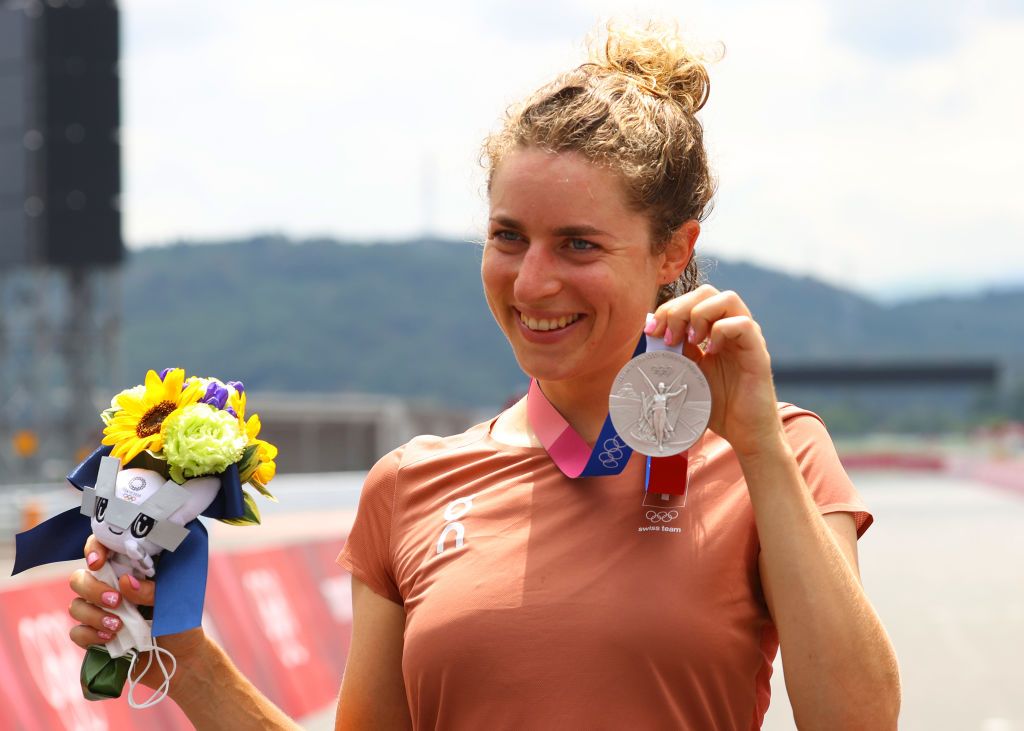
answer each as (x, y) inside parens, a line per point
(609, 455)
(666, 475)
(566, 447)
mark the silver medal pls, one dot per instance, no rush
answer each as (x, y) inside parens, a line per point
(660, 403)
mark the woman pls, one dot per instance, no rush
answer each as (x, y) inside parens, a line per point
(490, 590)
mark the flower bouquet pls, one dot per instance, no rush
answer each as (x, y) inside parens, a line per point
(174, 448)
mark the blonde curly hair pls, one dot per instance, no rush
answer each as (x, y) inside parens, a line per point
(631, 107)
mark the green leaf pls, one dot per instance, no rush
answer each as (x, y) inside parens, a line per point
(251, 515)
(248, 463)
(103, 677)
(261, 488)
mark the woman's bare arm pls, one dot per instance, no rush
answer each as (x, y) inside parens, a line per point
(207, 686)
(840, 668)
(841, 671)
(373, 691)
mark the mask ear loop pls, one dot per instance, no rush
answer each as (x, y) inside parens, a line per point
(155, 651)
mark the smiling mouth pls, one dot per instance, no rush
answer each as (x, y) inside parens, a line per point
(540, 324)
(115, 532)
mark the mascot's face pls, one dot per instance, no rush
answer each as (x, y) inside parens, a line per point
(133, 486)
(122, 517)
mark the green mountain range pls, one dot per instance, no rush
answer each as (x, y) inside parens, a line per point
(410, 319)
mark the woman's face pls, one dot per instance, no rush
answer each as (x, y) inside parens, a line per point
(568, 270)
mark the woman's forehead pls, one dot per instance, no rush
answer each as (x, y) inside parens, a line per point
(555, 186)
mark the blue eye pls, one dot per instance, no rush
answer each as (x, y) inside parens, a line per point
(581, 245)
(506, 236)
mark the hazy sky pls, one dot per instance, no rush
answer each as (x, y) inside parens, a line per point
(875, 144)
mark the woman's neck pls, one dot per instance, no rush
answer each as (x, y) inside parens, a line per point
(581, 402)
(584, 409)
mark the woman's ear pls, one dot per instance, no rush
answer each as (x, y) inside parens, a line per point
(678, 251)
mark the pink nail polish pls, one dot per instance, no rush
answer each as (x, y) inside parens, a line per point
(92, 558)
(111, 623)
(668, 336)
(104, 635)
(651, 324)
(691, 334)
(110, 598)
(134, 582)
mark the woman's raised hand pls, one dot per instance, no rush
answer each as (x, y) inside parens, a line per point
(98, 626)
(734, 359)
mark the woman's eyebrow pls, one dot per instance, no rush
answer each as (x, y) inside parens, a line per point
(575, 230)
(580, 230)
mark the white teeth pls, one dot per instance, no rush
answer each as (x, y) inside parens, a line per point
(544, 325)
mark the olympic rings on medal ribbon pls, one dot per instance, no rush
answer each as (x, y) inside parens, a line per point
(612, 453)
(662, 516)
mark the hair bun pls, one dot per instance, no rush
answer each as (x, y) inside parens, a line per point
(656, 59)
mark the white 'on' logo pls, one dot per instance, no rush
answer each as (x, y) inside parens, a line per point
(456, 510)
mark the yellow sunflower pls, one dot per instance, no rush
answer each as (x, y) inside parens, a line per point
(266, 453)
(136, 427)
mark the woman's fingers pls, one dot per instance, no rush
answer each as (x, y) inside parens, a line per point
(89, 615)
(137, 591)
(740, 331)
(95, 553)
(689, 318)
(713, 309)
(672, 319)
(97, 626)
(83, 636)
(93, 590)
(95, 597)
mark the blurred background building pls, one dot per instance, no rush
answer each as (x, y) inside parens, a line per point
(60, 225)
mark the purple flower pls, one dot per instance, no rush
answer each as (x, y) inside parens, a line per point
(231, 411)
(238, 386)
(216, 395)
(164, 372)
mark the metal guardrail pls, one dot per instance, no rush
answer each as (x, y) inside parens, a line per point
(905, 373)
(44, 497)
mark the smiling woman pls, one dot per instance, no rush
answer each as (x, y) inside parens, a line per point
(539, 270)
(553, 607)
(522, 574)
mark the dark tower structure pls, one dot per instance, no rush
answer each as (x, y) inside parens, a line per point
(60, 227)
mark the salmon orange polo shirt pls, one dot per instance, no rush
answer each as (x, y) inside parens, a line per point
(534, 601)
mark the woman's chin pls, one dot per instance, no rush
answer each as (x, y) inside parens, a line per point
(550, 368)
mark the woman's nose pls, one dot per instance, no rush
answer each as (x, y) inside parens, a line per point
(538, 276)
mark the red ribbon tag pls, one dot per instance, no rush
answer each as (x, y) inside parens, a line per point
(668, 474)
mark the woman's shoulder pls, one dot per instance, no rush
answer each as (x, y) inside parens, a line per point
(803, 427)
(468, 443)
(788, 412)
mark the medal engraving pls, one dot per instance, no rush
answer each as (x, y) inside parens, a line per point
(660, 403)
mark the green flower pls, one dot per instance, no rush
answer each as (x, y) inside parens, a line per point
(201, 440)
